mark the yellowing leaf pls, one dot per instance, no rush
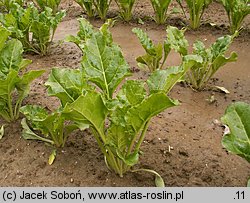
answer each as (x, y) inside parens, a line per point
(223, 89)
(159, 182)
(52, 157)
(1, 132)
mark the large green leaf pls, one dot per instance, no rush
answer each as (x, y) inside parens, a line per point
(164, 80)
(103, 64)
(154, 104)
(66, 84)
(11, 56)
(237, 118)
(89, 109)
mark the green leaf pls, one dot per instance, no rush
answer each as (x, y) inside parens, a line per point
(4, 36)
(132, 92)
(23, 86)
(154, 52)
(177, 40)
(103, 64)
(11, 56)
(159, 182)
(66, 84)
(237, 10)
(86, 31)
(154, 104)
(41, 34)
(248, 183)
(90, 109)
(51, 126)
(34, 113)
(237, 118)
(146, 42)
(25, 63)
(28, 134)
(7, 86)
(160, 8)
(164, 80)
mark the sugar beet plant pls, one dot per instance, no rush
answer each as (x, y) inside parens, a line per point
(87, 6)
(91, 7)
(54, 127)
(35, 30)
(213, 58)
(196, 9)
(126, 8)
(53, 4)
(14, 85)
(236, 10)
(156, 54)
(102, 7)
(160, 9)
(118, 113)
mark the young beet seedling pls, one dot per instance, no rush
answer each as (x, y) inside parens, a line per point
(102, 7)
(54, 128)
(119, 117)
(126, 8)
(236, 10)
(213, 58)
(156, 54)
(160, 9)
(87, 6)
(196, 9)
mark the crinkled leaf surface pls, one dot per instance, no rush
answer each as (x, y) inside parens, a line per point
(66, 84)
(177, 40)
(132, 92)
(11, 56)
(146, 42)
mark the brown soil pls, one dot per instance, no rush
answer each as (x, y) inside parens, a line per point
(191, 131)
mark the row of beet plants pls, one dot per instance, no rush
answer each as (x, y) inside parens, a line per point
(193, 10)
(101, 97)
(33, 27)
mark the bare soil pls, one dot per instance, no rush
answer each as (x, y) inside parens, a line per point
(183, 144)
